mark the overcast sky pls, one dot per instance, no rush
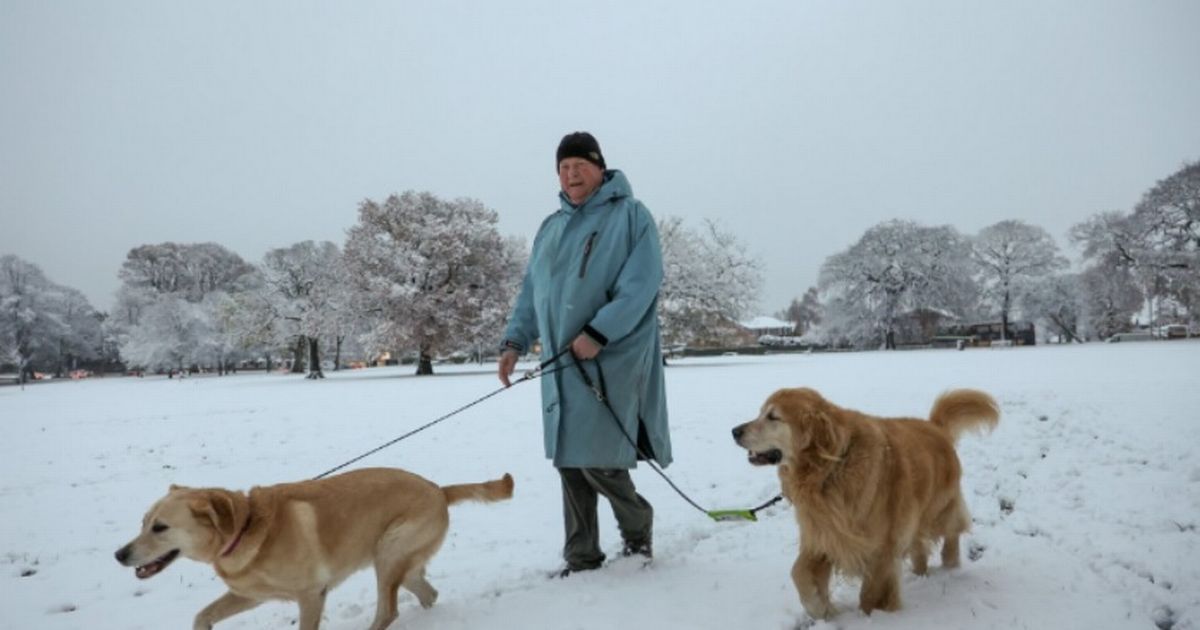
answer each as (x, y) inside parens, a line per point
(798, 124)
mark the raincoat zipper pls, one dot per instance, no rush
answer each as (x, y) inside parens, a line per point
(587, 253)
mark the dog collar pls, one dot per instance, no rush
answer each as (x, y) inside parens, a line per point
(236, 539)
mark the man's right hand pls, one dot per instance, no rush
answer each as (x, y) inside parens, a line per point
(505, 366)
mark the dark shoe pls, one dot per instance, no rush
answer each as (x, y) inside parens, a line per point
(568, 571)
(638, 548)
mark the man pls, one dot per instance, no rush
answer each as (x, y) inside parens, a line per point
(592, 284)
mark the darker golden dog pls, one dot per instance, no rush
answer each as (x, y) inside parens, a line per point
(296, 541)
(867, 491)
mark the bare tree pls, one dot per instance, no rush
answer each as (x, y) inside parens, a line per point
(804, 312)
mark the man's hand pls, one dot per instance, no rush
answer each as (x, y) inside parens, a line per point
(505, 366)
(584, 348)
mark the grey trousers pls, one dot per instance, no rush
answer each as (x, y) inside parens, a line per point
(581, 488)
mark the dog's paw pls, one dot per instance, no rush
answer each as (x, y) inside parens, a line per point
(810, 623)
(820, 611)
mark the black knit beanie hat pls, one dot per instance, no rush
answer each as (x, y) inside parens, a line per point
(580, 144)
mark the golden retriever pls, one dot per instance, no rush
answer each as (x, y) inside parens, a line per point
(296, 541)
(867, 491)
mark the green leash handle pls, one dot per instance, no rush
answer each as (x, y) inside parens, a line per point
(742, 515)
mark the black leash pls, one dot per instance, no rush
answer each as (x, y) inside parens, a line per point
(601, 393)
(602, 396)
(537, 372)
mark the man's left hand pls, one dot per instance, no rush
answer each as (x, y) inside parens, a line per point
(584, 348)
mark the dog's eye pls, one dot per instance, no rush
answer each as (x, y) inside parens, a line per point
(158, 528)
(773, 417)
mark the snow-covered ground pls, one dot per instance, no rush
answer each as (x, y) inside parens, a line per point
(1086, 500)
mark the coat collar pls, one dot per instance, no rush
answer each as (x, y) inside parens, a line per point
(615, 186)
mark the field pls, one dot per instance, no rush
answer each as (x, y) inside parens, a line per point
(1086, 499)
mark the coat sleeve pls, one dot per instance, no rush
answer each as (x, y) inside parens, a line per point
(522, 322)
(637, 284)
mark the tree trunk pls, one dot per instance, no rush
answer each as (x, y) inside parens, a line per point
(337, 353)
(61, 367)
(1004, 317)
(1065, 329)
(314, 359)
(424, 364)
(298, 351)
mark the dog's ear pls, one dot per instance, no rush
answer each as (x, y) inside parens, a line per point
(829, 436)
(227, 511)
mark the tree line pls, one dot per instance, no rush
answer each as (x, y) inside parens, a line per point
(902, 279)
(417, 276)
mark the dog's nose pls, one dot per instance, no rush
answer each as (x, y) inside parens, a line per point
(122, 554)
(738, 431)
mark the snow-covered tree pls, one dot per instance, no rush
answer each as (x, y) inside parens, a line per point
(226, 342)
(480, 334)
(172, 334)
(1057, 300)
(430, 269)
(185, 289)
(710, 281)
(32, 317)
(80, 337)
(1170, 214)
(1159, 242)
(190, 270)
(1111, 299)
(1011, 257)
(309, 295)
(897, 267)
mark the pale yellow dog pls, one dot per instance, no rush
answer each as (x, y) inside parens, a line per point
(296, 541)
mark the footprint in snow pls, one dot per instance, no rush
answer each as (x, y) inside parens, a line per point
(1164, 618)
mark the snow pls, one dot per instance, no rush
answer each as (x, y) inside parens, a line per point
(1086, 499)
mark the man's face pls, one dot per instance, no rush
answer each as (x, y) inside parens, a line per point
(579, 178)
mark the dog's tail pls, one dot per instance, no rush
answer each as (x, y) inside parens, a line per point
(495, 490)
(961, 410)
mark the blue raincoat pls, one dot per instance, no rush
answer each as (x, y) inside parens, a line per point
(599, 266)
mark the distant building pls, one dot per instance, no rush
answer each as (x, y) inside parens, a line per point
(764, 325)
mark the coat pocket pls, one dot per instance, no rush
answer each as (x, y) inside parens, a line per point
(587, 252)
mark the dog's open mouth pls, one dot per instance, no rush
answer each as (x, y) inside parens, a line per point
(152, 568)
(765, 458)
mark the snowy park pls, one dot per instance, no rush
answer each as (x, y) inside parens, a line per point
(1085, 500)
